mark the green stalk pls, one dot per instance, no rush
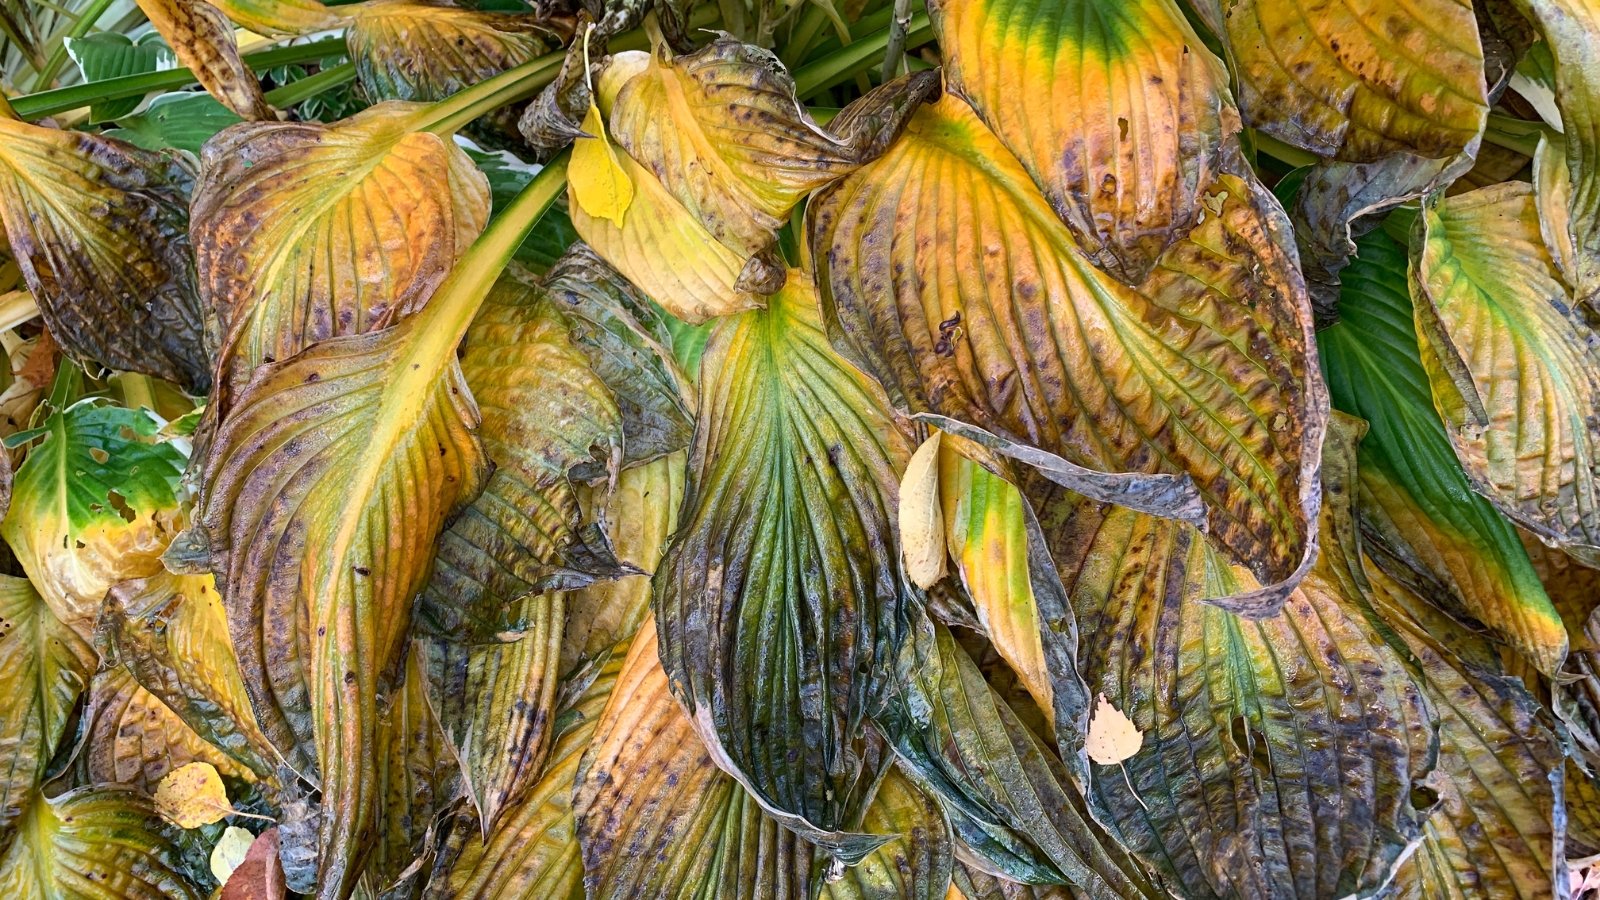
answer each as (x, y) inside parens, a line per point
(60, 100)
(80, 28)
(453, 113)
(863, 55)
(1294, 156)
(457, 300)
(311, 85)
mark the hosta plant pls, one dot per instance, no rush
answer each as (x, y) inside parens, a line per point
(915, 449)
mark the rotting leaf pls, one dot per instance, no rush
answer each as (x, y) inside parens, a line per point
(202, 38)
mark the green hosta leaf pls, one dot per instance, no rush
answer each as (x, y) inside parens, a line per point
(95, 844)
(44, 666)
(1414, 492)
(777, 631)
(657, 818)
(99, 229)
(1304, 732)
(1515, 368)
(1116, 110)
(305, 231)
(1499, 777)
(533, 851)
(94, 503)
(328, 485)
(1190, 395)
(1010, 799)
(132, 738)
(184, 121)
(110, 55)
(172, 634)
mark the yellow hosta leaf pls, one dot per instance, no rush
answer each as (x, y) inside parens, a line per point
(229, 852)
(203, 40)
(304, 231)
(1115, 108)
(1514, 366)
(922, 542)
(192, 795)
(1193, 395)
(987, 536)
(101, 843)
(430, 49)
(1112, 735)
(599, 183)
(719, 151)
(132, 737)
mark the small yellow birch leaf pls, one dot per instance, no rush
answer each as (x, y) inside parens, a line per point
(230, 852)
(192, 795)
(922, 542)
(1112, 735)
(599, 183)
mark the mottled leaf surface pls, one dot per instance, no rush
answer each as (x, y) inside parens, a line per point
(948, 276)
(305, 231)
(202, 38)
(1116, 109)
(135, 739)
(99, 229)
(777, 603)
(95, 844)
(430, 49)
(1515, 368)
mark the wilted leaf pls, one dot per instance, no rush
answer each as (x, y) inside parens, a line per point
(639, 514)
(1304, 731)
(202, 38)
(657, 818)
(544, 412)
(1499, 768)
(1356, 83)
(44, 666)
(94, 503)
(305, 231)
(534, 850)
(100, 230)
(418, 777)
(1117, 111)
(1009, 798)
(1415, 500)
(172, 634)
(430, 49)
(953, 281)
(718, 152)
(329, 483)
(192, 795)
(282, 17)
(1515, 369)
(1571, 30)
(779, 601)
(95, 844)
(131, 737)
(630, 346)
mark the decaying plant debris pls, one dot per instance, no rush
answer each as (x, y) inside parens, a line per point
(884, 449)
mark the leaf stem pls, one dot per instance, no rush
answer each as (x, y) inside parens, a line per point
(47, 103)
(453, 113)
(895, 54)
(80, 28)
(311, 85)
(475, 272)
(861, 56)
